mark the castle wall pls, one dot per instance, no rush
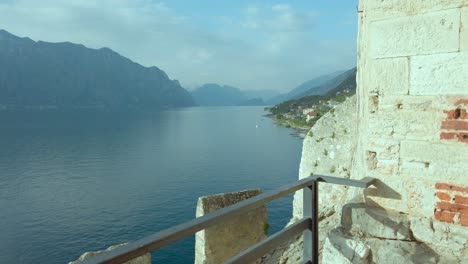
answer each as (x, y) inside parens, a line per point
(412, 123)
(412, 102)
(410, 132)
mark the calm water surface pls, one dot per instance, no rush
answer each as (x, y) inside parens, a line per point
(76, 182)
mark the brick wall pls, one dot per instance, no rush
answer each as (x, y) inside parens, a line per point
(455, 125)
(413, 115)
(452, 203)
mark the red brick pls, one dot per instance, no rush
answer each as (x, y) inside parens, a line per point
(450, 187)
(461, 199)
(463, 137)
(455, 125)
(451, 207)
(458, 113)
(462, 102)
(443, 196)
(464, 219)
(444, 216)
(448, 136)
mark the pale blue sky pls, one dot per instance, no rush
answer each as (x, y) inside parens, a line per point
(248, 44)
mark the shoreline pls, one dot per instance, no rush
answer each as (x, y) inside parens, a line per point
(298, 131)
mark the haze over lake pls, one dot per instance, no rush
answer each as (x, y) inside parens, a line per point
(81, 181)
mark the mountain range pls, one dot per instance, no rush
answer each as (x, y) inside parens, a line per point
(212, 94)
(66, 75)
(317, 86)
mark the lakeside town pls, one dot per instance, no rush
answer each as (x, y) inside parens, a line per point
(302, 114)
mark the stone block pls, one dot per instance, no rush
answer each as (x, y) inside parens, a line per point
(389, 192)
(389, 76)
(420, 195)
(376, 222)
(218, 243)
(448, 240)
(440, 74)
(464, 29)
(339, 248)
(430, 33)
(425, 161)
(385, 149)
(404, 125)
(397, 251)
(403, 103)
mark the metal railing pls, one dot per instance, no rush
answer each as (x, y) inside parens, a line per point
(307, 225)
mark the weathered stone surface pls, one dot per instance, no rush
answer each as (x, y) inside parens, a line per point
(447, 240)
(404, 103)
(439, 74)
(328, 152)
(291, 253)
(363, 220)
(464, 29)
(339, 248)
(404, 125)
(412, 91)
(380, 10)
(145, 259)
(430, 33)
(433, 160)
(220, 242)
(389, 76)
(397, 251)
(342, 248)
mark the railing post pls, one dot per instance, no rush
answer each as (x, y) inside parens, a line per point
(310, 208)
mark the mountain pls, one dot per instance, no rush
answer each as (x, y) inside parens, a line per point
(67, 75)
(264, 94)
(308, 85)
(304, 87)
(212, 94)
(342, 89)
(253, 102)
(329, 85)
(347, 84)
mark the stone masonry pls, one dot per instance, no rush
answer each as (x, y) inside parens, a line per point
(218, 243)
(409, 130)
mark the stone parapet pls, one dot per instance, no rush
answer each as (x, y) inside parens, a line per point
(218, 243)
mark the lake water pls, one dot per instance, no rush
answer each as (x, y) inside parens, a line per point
(76, 182)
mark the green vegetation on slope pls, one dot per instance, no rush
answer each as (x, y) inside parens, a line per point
(293, 113)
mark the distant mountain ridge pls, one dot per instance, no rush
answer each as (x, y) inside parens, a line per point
(212, 94)
(329, 85)
(342, 88)
(68, 75)
(317, 86)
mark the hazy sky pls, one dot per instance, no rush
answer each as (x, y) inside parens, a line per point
(248, 44)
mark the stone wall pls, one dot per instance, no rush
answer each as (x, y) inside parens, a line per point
(412, 99)
(218, 243)
(410, 132)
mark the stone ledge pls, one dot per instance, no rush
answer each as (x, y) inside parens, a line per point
(220, 242)
(362, 220)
